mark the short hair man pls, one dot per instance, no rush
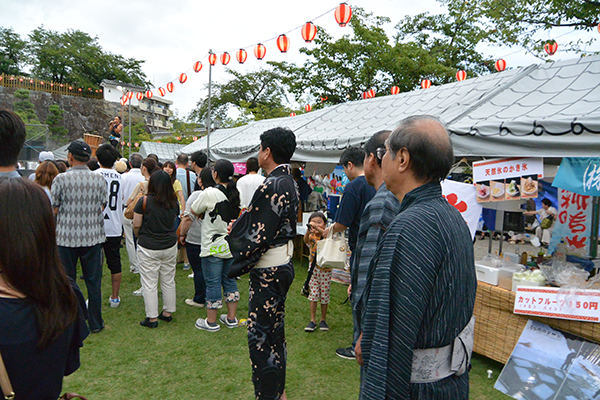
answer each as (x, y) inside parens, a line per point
(248, 183)
(376, 217)
(113, 217)
(79, 197)
(421, 292)
(357, 194)
(261, 242)
(198, 161)
(186, 177)
(130, 180)
(12, 139)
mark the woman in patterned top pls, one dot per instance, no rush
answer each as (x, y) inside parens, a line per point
(320, 278)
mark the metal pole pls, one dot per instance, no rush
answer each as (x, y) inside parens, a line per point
(129, 116)
(208, 114)
(121, 124)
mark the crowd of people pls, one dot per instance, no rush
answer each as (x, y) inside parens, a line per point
(412, 276)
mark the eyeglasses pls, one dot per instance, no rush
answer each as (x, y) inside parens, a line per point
(380, 152)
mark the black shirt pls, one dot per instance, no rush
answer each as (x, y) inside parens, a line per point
(356, 196)
(158, 226)
(34, 374)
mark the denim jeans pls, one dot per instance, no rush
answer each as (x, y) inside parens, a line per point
(193, 253)
(91, 265)
(215, 272)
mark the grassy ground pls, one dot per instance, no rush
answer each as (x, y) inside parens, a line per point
(128, 361)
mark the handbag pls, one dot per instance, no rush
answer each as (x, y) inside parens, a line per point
(331, 252)
(9, 394)
(129, 210)
(546, 223)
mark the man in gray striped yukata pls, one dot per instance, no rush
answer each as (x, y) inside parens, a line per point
(417, 326)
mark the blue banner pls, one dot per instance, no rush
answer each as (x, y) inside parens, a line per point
(579, 175)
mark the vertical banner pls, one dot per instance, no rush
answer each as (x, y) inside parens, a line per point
(579, 175)
(574, 223)
(463, 196)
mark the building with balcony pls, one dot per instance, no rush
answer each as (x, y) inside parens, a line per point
(155, 112)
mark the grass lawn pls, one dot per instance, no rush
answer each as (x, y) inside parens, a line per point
(176, 360)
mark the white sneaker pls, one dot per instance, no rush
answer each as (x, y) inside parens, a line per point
(202, 324)
(114, 303)
(186, 266)
(139, 292)
(191, 302)
(224, 321)
(191, 275)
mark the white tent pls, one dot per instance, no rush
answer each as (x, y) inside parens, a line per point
(545, 110)
(164, 151)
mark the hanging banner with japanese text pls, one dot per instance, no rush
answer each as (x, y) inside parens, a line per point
(579, 305)
(574, 222)
(506, 168)
(463, 197)
(579, 175)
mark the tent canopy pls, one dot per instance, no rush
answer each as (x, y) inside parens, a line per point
(545, 110)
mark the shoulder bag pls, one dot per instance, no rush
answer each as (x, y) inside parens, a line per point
(331, 252)
(129, 210)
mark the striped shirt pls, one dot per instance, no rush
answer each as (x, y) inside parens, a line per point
(377, 216)
(80, 196)
(420, 294)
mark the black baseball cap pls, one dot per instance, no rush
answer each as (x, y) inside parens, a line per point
(80, 148)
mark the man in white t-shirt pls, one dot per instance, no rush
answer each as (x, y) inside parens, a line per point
(113, 212)
(248, 183)
(130, 180)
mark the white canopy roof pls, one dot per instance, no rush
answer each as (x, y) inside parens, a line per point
(545, 110)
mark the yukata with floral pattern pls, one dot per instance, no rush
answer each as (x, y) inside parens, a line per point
(269, 222)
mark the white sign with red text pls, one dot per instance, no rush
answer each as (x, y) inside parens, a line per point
(463, 197)
(575, 304)
(504, 168)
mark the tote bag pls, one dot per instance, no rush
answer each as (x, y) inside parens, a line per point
(331, 252)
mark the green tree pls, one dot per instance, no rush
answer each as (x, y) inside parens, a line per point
(76, 57)
(55, 121)
(13, 55)
(256, 95)
(527, 23)
(26, 110)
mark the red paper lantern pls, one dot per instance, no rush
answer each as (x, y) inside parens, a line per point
(129, 95)
(41, 83)
(283, 43)
(195, 138)
(197, 66)
(80, 89)
(158, 141)
(170, 87)
(425, 84)
(395, 90)
(241, 55)
(364, 95)
(178, 137)
(122, 143)
(139, 95)
(128, 144)
(292, 114)
(259, 51)
(370, 93)
(162, 91)
(70, 87)
(31, 81)
(309, 31)
(20, 79)
(123, 101)
(343, 14)
(212, 59)
(182, 78)
(149, 94)
(136, 144)
(225, 58)
(461, 75)
(598, 28)
(551, 48)
(308, 107)
(500, 65)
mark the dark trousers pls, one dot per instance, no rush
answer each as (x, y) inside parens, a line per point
(266, 329)
(112, 252)
(193, 253)
(91, 265)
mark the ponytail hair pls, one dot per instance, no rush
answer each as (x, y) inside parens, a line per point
(224, 170)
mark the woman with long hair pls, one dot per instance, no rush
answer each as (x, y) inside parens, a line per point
(218, 206)
(170, 168)
(45, 174)
(41, 324)
(153, 220)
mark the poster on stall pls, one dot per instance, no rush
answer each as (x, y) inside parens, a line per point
(507, 178)
(464, 198)
(574, 222)
(550, 364)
